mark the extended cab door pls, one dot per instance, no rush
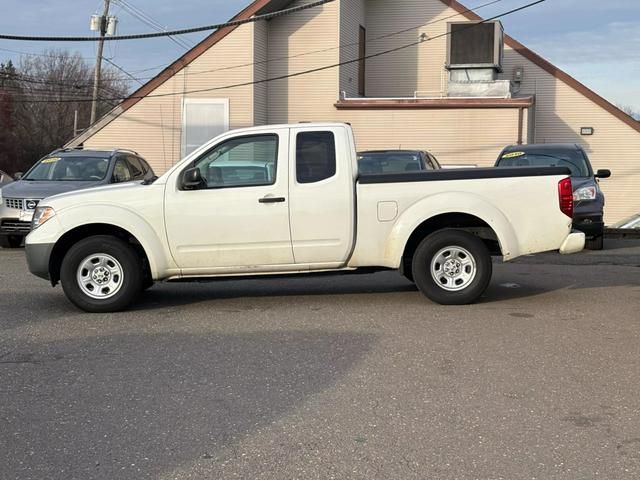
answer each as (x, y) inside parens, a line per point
(322, 195)
(239, 217)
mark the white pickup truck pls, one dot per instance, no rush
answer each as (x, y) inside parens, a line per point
(288, 199)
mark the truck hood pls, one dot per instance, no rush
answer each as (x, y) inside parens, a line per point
(38, 190)
(122, 194)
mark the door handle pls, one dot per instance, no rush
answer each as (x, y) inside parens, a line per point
(272, 200)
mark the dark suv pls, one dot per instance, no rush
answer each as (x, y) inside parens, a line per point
(59, 172)
(588, 199)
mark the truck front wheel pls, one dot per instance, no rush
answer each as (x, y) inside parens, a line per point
(452, 267)
(101, 274)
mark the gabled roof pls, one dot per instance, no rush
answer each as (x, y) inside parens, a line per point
(258, 7)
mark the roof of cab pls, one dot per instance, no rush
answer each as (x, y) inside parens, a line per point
(543, 147)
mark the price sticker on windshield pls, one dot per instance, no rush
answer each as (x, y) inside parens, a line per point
(51, 160)
(513, 154)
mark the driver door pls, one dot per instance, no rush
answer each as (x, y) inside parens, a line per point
(238, 218)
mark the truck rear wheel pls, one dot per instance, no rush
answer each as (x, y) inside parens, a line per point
(452, 267)
(101, 274)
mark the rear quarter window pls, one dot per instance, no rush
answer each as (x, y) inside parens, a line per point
(315, 156)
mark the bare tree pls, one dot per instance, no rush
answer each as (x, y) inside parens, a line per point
(628, 110)
(45, 92)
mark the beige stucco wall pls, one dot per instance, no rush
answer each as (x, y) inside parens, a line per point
(470, 136)
(352, 16)
(300, 42)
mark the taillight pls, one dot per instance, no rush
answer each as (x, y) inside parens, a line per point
(565, 195)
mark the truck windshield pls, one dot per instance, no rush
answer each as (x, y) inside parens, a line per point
(389, 162)
(572, 159)
(73, 169)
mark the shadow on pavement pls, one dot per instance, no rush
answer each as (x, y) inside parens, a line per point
(133, 406)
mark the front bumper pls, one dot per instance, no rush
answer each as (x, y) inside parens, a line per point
(574, 243)
(11, 226)
(15, 221)
(38, 257)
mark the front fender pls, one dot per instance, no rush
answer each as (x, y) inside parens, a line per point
(152, 239)
(447, 203)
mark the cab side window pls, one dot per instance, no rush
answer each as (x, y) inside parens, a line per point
(241, 162)
(121, 172)
(315, 156)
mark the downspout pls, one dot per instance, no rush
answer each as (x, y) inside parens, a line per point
(520, 124)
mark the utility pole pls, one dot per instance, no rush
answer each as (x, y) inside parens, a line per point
(96, 79)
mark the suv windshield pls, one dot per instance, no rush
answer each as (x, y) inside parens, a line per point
(572, 159)
(389, 162)
(73, 169)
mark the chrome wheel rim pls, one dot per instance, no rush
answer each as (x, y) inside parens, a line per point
(100, 276)
(453, 268)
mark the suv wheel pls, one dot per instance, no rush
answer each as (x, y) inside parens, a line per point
(10, 241)
(595, 243)
(452, 267)
(101, 274)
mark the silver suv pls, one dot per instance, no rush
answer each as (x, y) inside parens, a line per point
(59, 172)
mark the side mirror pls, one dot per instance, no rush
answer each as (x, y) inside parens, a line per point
(17, 175)
(603, 173)
(192, 179)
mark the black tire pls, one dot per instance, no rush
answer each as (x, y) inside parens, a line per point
(475, 275)
(11, 241)
(595, 243)
(131, 279)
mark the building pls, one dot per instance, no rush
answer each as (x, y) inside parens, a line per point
(406, 98)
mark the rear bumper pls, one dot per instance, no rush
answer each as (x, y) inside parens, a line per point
(574, 243)
(592, 226)
(38, 256)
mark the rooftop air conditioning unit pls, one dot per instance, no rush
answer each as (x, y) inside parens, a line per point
(475, 45)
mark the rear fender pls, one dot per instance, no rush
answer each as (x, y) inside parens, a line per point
(447, 203)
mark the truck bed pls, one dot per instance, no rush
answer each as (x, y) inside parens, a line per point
(462, 174)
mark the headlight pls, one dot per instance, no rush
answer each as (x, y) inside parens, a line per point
(41, 215)
(584, 193)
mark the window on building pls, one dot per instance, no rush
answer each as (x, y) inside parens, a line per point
(203, 120)
(362, 52)
(315, 156)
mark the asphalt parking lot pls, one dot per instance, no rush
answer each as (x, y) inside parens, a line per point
(329, 377)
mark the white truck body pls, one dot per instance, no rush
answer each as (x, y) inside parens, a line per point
(290, 226)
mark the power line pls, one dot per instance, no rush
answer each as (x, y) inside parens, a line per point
(312, 52)
(325, 67)
(18, 77)
(123, 71)
(140, 36)
(30, 54)
(149, 21)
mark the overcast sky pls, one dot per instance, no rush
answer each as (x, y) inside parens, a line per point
(596, 41)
